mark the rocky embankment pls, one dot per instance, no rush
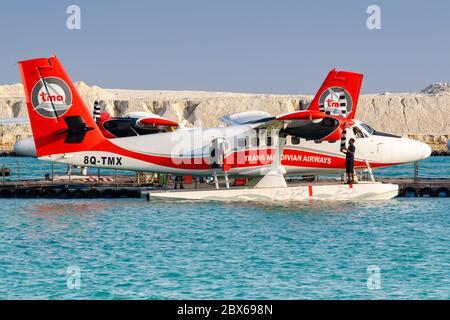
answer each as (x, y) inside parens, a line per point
(423, 115)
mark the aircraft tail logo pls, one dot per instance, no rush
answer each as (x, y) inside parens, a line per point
(51, 97)
(336, 101)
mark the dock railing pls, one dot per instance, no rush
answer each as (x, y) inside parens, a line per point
(29, 170)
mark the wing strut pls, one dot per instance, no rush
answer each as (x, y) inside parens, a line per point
(274, 178)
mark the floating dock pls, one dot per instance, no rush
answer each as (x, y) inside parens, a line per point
(128, 187)
(422, 187)
(88, 187)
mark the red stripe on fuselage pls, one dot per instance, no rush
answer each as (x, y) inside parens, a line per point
(165, 161)
(242, 159)
(293, 158)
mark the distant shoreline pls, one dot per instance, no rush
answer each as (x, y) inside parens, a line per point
(422, 115)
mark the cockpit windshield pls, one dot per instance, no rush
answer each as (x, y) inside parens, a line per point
(372, 132)
(367, 128)
(359, 133)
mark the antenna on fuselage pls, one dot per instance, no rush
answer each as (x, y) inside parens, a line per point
(48, 92)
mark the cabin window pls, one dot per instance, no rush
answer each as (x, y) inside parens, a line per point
(254, 142)
(242, 142)
(295, 140)
(317, 141)
(269, 141)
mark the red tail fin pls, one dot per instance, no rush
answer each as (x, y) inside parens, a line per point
(338, 94)
(60, 121)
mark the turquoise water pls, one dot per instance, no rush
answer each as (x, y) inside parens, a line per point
(129, 248)
(433, 167)
(30, 168)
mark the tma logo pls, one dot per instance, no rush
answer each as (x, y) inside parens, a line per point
(335, 101)
(45, 97)
(51, 97)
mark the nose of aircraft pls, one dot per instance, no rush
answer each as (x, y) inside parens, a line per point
(426, 150)
(25, 147)
(407, 150)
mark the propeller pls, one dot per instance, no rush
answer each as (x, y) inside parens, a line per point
(346, 126)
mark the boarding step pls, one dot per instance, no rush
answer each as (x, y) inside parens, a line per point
(226, 180)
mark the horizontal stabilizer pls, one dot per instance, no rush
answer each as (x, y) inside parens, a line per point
(76, 129)
(245, 117)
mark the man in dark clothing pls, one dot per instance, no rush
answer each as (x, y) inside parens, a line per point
(179, 179)
(350, 161)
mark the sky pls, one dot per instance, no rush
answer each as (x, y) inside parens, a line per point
(282, 47)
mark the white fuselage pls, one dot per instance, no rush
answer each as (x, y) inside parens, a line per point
(188, 152)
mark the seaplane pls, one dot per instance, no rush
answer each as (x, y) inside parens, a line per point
(249, 144)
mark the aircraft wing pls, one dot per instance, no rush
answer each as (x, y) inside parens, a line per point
(18, 120)
(155, 121)
(147, 119)
(245, 117)
(306, 124)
